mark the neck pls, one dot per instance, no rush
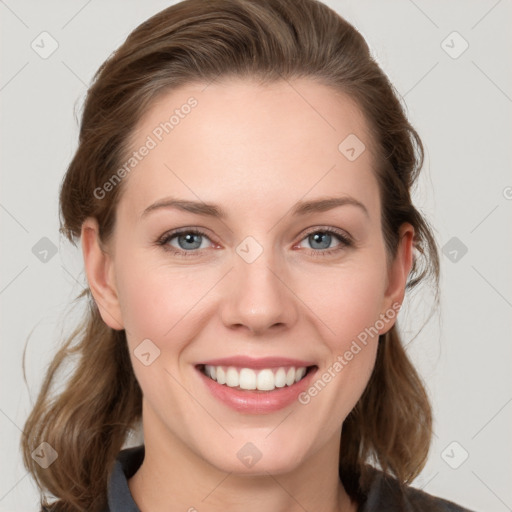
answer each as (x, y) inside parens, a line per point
(172, 478)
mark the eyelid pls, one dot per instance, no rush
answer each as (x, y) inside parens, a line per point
(185, 230)
(169, 235)
(344, 235)
(345, 239)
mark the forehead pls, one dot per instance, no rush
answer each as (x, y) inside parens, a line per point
(238, 140)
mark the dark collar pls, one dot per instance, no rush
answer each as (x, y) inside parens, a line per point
(119, 495)
(382, 494)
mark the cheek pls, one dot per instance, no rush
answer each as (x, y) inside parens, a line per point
(157, 301)
(163, 305)
(346, 299)
(347, 302)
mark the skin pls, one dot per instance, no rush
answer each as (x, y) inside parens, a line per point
(254, 150)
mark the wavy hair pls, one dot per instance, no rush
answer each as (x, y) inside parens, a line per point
(88, 421)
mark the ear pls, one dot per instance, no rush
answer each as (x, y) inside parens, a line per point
(398, 273)
(100, 274)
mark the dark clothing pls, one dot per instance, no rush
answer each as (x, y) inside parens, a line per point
(382, 495)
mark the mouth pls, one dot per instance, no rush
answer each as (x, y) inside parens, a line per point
(256, 379)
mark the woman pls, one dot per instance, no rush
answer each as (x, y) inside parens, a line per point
(241, 191)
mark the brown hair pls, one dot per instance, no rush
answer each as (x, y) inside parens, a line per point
(88, 422)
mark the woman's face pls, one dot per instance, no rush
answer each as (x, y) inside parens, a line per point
(274, 277)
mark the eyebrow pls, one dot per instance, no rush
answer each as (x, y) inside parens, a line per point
(212, 210)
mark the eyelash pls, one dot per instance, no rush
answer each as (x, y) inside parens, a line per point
(344, 240)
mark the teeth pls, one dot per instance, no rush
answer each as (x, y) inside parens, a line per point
(246, 378)
(280, 378)
(266, 381)
(221, 374)
(299, 374)
(232, 378)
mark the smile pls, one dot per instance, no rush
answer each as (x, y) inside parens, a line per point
(263, 379)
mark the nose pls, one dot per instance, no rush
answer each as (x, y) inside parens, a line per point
(257, 297)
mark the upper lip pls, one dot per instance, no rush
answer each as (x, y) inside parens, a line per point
(251, 362)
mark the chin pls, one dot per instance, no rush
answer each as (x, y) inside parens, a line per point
(255, 458)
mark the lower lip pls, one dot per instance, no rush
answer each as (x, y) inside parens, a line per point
(255, 401)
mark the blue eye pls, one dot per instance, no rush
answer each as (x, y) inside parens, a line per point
(320, 240)
(190, 241)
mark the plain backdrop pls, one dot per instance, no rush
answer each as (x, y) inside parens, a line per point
(450, 61)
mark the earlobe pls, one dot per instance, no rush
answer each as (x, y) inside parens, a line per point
(99, 269)
(398, 274)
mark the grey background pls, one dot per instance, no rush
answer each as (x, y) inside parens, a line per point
(462, 110)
